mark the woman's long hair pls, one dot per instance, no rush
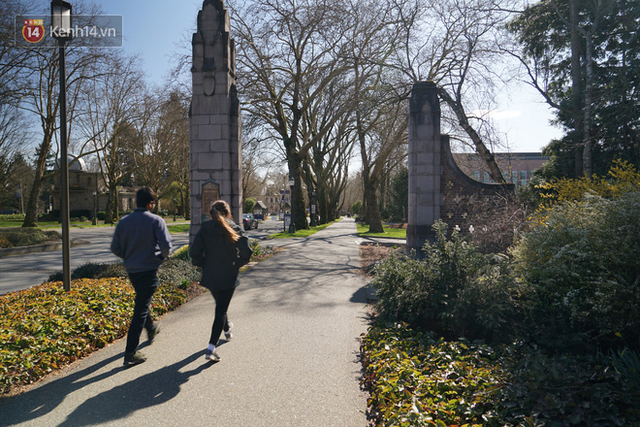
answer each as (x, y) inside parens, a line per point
(220, 211)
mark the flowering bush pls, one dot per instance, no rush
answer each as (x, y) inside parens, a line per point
(622, 178)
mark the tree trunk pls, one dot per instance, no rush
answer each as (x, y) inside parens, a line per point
(587, 157)
(373, 213)
(576, 87)
(31, 214)
(298, 214)
(481, 148)
(112, 205)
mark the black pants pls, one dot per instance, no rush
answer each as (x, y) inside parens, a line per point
(145, 283)
(223, 298)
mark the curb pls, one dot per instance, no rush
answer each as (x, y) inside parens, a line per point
(45, 247)
(23, 250)
(382, 241)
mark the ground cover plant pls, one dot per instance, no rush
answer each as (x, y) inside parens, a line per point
(416, 379)
(44, 328)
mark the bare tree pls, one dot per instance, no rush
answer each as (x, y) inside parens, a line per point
(173, 130)
(39, 72)
(111, 101)
(377, 106)
(286, 58)
(454, 43)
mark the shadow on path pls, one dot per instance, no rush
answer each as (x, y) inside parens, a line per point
(44, 399)
(149, 390)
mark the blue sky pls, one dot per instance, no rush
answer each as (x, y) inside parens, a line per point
(155, 30)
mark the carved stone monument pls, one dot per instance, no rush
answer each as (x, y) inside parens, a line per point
(425, 196)
(215, 127)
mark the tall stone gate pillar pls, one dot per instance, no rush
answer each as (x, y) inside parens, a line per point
(425, 197)
(215, 128)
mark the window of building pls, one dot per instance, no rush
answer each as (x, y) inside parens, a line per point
(523, 177)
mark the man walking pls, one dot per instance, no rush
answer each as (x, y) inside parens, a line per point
(142, 240)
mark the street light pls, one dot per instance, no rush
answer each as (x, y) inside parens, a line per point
(95, 208)
(175, 208)
(313, 208)
(61, 31)
(292, 225)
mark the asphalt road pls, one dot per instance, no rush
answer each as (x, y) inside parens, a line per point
(293, 360)
(24, 271)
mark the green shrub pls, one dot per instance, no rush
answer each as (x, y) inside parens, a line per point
(81, 213)
(175, 271)
(454, 291)
(627, 364)
(92, 270)
(12, 236)
(11, 217)
(172, 272)
(583, 265)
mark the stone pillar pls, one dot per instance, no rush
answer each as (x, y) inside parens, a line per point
(425, 196)
(215, 125)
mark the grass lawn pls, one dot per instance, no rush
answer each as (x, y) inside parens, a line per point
(301, 233)
(178, 228)
(397, 233)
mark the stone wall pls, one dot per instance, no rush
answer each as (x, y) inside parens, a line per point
(463, 198)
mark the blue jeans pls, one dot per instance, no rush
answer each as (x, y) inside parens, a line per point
(145, 283)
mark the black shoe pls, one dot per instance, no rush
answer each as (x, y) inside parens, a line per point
(153, 334)
(131, 359)
(228, 334)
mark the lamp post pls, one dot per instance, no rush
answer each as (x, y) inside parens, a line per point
(292, 225)
(314, 221)
(95, 208)
(61, 31)
(175, 208)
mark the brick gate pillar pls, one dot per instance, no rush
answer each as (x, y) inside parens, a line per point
(215, 126)
(425, 196)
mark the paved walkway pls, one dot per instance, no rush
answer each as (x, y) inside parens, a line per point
(293, 360)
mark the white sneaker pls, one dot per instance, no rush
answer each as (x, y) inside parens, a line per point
(229, 334)
(212, 356)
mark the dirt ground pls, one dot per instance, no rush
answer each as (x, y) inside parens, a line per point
(370, 254)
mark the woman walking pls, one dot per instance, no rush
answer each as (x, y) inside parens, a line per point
(221, 247)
